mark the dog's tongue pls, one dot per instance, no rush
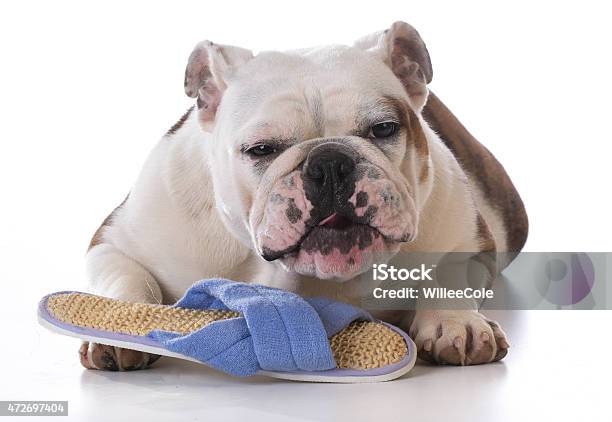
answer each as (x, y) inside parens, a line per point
(335, 221)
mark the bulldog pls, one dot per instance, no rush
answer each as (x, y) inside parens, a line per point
(299, 170)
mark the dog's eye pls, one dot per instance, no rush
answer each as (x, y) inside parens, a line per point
(383, 130)
(260, 150)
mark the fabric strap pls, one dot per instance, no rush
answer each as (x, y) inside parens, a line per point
(278, 330)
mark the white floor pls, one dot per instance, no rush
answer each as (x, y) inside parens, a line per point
(557, 369)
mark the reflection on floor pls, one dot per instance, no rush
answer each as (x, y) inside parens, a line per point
(553, 371)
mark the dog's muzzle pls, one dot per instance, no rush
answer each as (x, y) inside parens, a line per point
(333, 214)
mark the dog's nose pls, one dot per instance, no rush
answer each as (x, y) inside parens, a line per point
(329, 167)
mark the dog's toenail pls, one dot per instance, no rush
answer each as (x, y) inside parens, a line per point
(458, 343)
(485, 337)
(427, 345)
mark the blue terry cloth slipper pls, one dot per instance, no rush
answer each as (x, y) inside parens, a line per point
(242, 329)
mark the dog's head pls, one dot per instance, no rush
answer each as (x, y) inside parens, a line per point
(317, 155)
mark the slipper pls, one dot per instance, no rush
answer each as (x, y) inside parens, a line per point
(242, 329)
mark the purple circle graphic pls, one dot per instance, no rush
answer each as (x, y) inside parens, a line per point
(569, 279)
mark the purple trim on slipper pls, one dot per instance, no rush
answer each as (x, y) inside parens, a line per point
(43, 311)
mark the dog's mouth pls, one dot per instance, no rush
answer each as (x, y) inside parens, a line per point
(337, 247)
(338, 232)
(334, 232)
(336, 221)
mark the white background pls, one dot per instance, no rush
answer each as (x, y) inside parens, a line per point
(86, 89)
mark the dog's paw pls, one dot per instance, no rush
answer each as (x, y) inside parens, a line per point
(110, 358)
(457, 337)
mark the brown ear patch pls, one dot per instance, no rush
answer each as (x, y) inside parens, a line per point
(409, 60)
(198, 70)
(479, 163)
(200, 82)
(408, 43)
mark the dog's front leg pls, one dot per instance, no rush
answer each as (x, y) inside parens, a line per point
(113, 274)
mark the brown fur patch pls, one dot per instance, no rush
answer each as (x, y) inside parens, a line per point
(476, 160)
(424, 174)
(487, 255)
(416, 136)
(180, 122)
(485, 238)
(410, 121)
(399, 106)
(97, 237)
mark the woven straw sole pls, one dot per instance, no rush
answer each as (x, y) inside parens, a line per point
(361, 346)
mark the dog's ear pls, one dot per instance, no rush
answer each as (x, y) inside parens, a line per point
(403, 50)
(208, 69)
